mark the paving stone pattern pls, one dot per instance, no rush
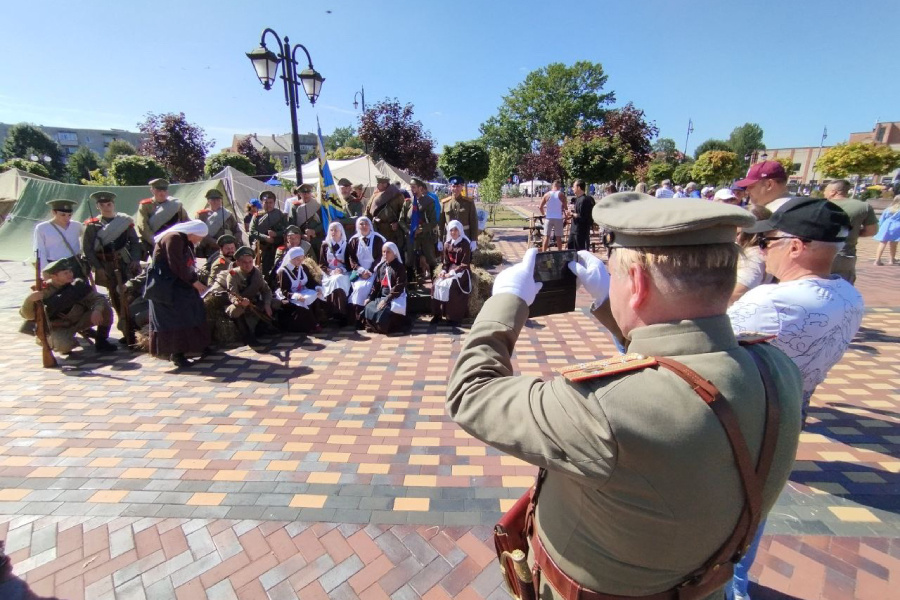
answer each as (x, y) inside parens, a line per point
(326, 466)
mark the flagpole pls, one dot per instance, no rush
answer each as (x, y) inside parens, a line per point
(689, 131)
(819, 155)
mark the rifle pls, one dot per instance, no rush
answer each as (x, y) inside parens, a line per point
(40, 318)
(124, 314)
(252, 308)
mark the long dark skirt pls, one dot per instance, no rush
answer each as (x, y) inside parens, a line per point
(338, 307)
(457, 307)
(179, 326)
(297, 319)
(382, 321)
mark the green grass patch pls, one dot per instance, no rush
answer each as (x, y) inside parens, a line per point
(506, 217)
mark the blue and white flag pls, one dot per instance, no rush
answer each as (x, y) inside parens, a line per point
(329, 197)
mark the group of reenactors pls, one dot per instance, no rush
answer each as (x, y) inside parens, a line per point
(242, 277)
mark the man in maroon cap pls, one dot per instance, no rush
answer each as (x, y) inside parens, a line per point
(766, 184)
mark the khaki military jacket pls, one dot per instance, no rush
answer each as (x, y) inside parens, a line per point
(641, 488)
(103, 243)
(263, 222)
(74, 316)
(215, 266)
(220, 223)
(154, 217)
(386, 214)
(428, 219)
(251, 286)
(460, 209)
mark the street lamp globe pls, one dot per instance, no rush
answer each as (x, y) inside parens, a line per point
(312, 84)
(265, 63)
(355, 104)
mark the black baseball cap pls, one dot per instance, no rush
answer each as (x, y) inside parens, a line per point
(807, 218)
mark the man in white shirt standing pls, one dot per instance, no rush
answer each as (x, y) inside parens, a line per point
(553, 207)
(812, 314)
(60, 237)
(665, 191)
(766, 184)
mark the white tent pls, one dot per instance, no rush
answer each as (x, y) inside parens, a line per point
(533, 184)
(242, 188)
(357, 170)
(394, 173)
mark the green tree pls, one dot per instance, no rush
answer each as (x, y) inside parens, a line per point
(664, 149)
(28, 166)
(502, 163)
(788, 164)
(116, 149)
(711, 144)
(716, 167)
(659, 170)
(25, 140)
(227, 158)
(858, 159)
(682, 173)
(393, 135)
(744, 140)
(343, 137)
(97, 177)
(179, 146)
(82, 163)
(135, 170)
(345, 153)
(469, 160)
(595, 157)
(552, 103)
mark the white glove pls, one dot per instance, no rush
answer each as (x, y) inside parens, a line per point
(519, 279)
(296, 297)
(440, 246)
(473, 245)
(592, 275)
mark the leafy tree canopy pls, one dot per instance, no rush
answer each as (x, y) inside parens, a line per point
(25, 165)
(550, 104)
(343, 137)
(227, 158)
(469, 160)
(716, 167)
(502, 164)
(135, 170)
(633, 131)
(711, 144)
(543, 164)
(659, 170)
(25, 140)
(746, 139)
(682, 173)
(345, 153)
(664, 149)
(261, 159)
(116, 149)
(179, 146)
(82, 163)
(394, 136)
(857, 159)
(595, 158)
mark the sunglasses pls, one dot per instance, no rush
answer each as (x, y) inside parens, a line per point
(765, 242)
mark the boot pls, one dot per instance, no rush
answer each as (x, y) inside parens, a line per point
(102, 345)
(247, 335)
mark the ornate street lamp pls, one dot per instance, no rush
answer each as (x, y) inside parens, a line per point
(361, 94)
(265, 63)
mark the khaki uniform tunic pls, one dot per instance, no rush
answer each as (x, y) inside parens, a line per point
(460, 209)
(146, 209)
(64, 326)
(254, 288)
(641, 488)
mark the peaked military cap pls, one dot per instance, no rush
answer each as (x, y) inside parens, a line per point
(305, 189)
(382, 179)
(455, 180)
(637, 220)
(103, 197)
(242, 251)
(343, 181)
(61, 204)
(213, 193)
(267, 194)
(225, 239)
(57, 265)
(292, 229)
(159, 184)
(419, 182)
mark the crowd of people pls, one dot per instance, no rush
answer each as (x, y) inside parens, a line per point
(300, 268)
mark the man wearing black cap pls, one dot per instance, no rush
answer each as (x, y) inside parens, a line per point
(219, 220)
(385, 209)
(220, 260)
(158, 213)
(812, 314)
(267, 230)
(458, 207)
(305, 215)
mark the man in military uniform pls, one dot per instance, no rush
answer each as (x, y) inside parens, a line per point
(305, 215)
(71, 306)
(267, 230)
(352, 201)
(384, 210)
(246, 287)
(421, 240)
(863, 223)
(292, 239)
(113, 250)
(219, 220)
(158, 213)
(640, 484)
(220, 260)
(457, 207)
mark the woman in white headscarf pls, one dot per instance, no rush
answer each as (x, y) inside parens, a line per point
(298, 293)
(178, 323)
(363, 252)
(450, 297)
(386, 309)
(336, 282)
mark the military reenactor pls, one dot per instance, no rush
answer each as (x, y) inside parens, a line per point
(458, 207)
(305, 215)
(113, 250)
(72, 306)
(656, 466)
(421, 241)
(60, 237)
(250, 298)
(384, 210)
(267, 231)
(293, 238)
(220, 221)
(158, 213)
(220, 260)
(352, 200)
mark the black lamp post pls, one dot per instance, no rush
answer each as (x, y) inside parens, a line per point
(265, 63)
(361, 94)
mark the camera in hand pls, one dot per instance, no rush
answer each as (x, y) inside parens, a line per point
(558, 293)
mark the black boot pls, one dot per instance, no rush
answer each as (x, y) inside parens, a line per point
(102, 345)
(179, 360)
(247, 335)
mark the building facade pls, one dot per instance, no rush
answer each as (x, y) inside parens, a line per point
(279, 146)
(70, 138)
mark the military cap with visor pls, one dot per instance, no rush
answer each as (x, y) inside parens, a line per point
(807, 218)
(455, 180)
(637, 220)
(305, 189)
(56, 266)
(267, 195)
(62, 204)
(242, 251)
(343, 181)
(159, 184)
(213, 193)
(101, 197)
(419, 182)
(292, 229)
(226, 239)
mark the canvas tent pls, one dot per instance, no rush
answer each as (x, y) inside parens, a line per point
(241, 188)
(357, 170)
(394, 173)
(11, 183)
(533, 184)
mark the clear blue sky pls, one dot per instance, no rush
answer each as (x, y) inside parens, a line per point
(791, 66)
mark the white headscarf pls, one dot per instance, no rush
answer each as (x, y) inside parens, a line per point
(288, 261)
(342, 238)
(330, 253)
(192, 227)
(371, 228)
(462, 232)
(393, 248)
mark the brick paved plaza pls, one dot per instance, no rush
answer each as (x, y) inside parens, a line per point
(328, 468)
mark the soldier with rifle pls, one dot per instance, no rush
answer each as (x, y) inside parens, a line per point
(113, 251)
(267, 230)
(305, 215)
(42, 326)
(220, 221)
(384, 210)
(250, 296)
(158, 213)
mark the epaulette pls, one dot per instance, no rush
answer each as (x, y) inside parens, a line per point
(202, 211)
(91, 220)
(232, 272)
(608, 366)
(147, 201)
(223, 260)
(282, 247)
(748, 338)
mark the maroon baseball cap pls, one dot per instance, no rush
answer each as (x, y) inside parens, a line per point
(767, 169)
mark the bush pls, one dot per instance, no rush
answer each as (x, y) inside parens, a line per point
(25, 165)
(345, 153)
(226, 158)
(135, 170)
